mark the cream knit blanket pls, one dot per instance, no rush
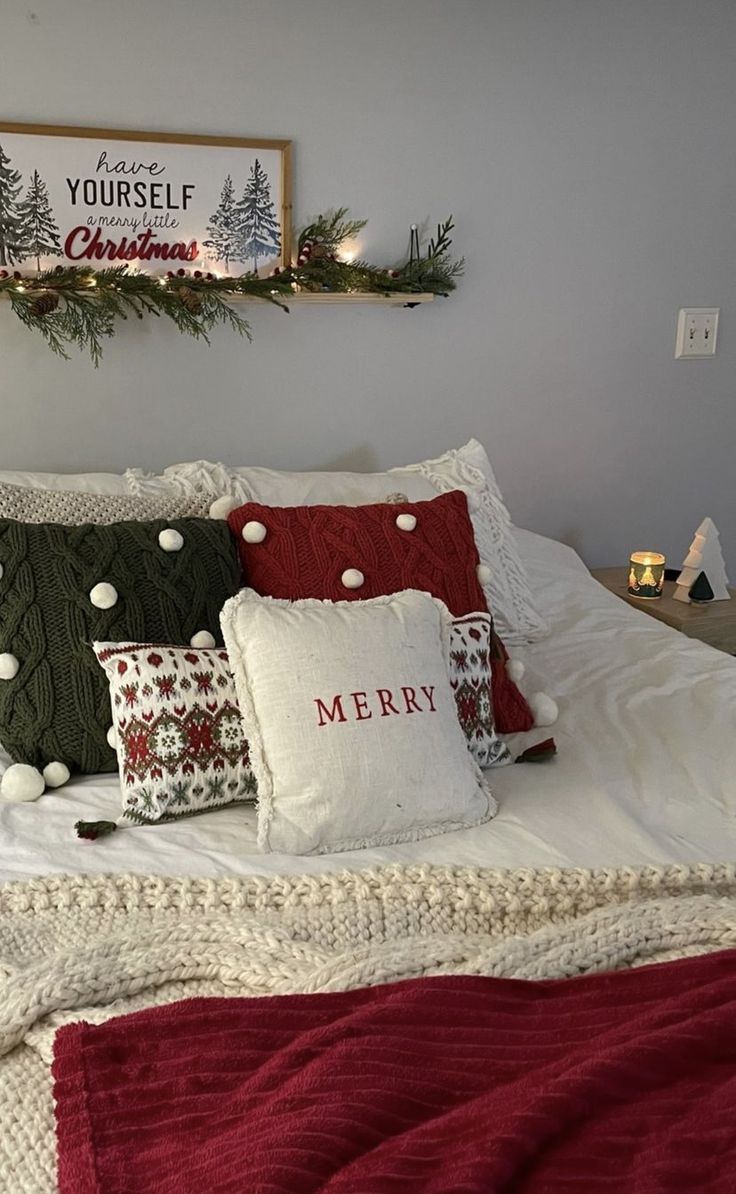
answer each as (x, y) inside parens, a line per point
(90, 948)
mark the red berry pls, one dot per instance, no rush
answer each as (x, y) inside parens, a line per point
(276, 272)
(210, 277)
(197, 273)
(17, 275)
(181, 273)
(3, 273)
(169, 273)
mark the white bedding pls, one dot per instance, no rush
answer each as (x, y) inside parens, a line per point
(646, 770)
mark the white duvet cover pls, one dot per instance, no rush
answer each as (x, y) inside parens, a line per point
(646, 770)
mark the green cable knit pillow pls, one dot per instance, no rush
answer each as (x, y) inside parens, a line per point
(62, 588)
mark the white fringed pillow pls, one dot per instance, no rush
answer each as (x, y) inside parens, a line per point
(351, 721)
(468, 468)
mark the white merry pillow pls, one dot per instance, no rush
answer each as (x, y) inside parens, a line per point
(468, 468)
(352, 722)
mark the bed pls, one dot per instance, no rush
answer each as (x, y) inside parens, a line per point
(617, 853)
(646, 769)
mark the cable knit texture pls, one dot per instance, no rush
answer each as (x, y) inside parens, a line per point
(72, 508)
(307, 550)
(94, 947)
(63, 588)
(350, 553)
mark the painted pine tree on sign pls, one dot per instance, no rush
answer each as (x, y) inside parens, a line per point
(38, 220)
(224, 227)
(259, 225)
(13, 232)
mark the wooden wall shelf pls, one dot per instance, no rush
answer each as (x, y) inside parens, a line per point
(398, 299)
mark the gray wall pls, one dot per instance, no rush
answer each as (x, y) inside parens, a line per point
(586, 148)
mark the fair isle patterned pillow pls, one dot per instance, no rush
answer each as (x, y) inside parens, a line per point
(177, 730)
(470, 678)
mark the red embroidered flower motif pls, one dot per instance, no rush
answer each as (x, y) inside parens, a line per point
(473, 633)
(203, 680)
(460, 659)
(198, 728)
(191, 657)
(130, 692)
(122, 667)
(155, 660)
(136, 748)
(166, 686)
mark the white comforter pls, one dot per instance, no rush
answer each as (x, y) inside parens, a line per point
(646, 770)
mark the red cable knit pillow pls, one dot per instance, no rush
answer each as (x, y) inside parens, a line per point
(344, 553)
(350, 553)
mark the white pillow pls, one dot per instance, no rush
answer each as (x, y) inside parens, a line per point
(79, 482)
(351, 721)
(468, 468)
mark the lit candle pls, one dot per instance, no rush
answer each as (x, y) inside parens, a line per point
(646, 574)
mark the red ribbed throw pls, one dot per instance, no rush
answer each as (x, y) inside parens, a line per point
(614, 1083)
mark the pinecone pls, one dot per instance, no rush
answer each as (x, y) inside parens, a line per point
(191, 299)
(44, 304)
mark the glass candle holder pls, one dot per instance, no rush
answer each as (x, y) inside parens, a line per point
(646, 574)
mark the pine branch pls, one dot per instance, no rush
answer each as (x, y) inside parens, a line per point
(331, 230)
(80, 306)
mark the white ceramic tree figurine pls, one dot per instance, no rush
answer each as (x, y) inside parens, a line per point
(705, 555)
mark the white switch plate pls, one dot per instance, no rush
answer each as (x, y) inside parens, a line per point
(697, 332)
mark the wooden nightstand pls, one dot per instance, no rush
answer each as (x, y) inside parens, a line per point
(713, 622)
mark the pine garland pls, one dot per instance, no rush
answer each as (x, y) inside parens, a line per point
(79, 306)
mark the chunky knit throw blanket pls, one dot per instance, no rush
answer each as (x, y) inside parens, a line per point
(96, 947)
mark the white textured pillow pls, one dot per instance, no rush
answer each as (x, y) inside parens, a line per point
(468, 468)
(75, 507)
(351, 721)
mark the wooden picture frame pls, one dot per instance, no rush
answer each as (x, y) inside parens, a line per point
(154, 201)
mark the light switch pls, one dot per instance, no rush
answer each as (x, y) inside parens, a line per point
(697, 331)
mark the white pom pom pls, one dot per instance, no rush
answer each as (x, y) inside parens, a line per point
(483, 573)
(223, 506)
(254, 532)
(112, 738)
(22, 782)
(406, 522)
(202, 639)
(544, 709)
(1, 571)
(170, 540)
(8, 666)
(55, 774)
(515, 670)
(352, 578)
(103, 595)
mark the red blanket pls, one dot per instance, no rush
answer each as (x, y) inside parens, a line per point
(620, 1082)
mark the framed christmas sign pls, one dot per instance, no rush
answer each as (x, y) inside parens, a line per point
(152, 201)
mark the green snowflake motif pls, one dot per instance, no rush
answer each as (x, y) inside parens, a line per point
(180, 793)
(216, 789)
